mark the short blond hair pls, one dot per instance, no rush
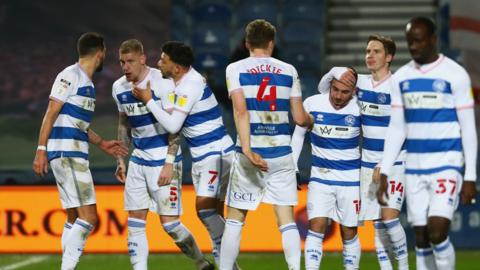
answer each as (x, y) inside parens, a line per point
(131, 45)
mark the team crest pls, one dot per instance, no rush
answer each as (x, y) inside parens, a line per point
(350, 120)
(124, 98)
(439, 85)
(382, 98)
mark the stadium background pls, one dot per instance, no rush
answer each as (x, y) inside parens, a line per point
(37, 40)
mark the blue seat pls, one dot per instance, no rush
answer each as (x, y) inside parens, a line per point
(304, 10)
(303, 56)
(309, 80)
(213, 35)
(251, 10)
(304, 32)
(212, 12)
(211, 60)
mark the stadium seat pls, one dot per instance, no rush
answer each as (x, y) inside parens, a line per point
(309, 80)
(303, 32)
(303, 56)
(303, 10)
(251, 10)
(211, 35)
(212, 12)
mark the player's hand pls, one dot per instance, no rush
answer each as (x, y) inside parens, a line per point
(376, 175)
(382, 190)
(121, 172)
(348, 78)
(256, 160)
(299, 180)
(166, 175)
(114, 148)
(143, 94)
(469, 192)
(40, 163)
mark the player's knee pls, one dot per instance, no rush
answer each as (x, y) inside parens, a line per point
(437, 236)
(422, 237)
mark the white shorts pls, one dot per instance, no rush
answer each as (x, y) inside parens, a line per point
(340, 203)
(370, 208)
(74, 181)
(249, 186)
(210, 175)
(432, 195)
(142, 190)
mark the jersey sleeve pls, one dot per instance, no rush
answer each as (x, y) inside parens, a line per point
(462, 90)
(64, 86)
(395, 94)
(187, 95)
(233, 79)
(296, 86)
(307, 103)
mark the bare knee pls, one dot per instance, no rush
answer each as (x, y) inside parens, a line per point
(421, 237)
(348, 233)
(438, 229)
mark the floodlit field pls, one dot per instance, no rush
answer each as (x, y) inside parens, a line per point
(466, 260)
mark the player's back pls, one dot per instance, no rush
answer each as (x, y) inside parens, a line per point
(149, 137)
(69, 136)
(431, 95)
(335, 141)
(375, 107)
(203, 128)
(267, 84)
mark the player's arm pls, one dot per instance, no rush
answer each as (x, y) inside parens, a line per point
(40, 163)
(113, 148)
(464, 103)
(297, 144)
(394, 139)
(242, 123)
(299, 115)
(123, 135)
(171, 122)
(167, 171)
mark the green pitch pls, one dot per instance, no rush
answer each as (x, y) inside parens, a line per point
(252, 261)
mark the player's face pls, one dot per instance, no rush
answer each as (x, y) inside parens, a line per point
(166, 66)
(420, 43)
(376, 57)
(340, 94)
(132, 64)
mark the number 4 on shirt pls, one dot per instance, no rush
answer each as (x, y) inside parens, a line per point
(272, 96)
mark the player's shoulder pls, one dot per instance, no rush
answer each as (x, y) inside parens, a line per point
(121, 84)
(286, 66)
(363, 80)
(192, 82)
(453, 68)
(156, 76)
(70, 74)
(315, 101)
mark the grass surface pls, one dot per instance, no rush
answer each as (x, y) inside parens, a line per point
(264, 261)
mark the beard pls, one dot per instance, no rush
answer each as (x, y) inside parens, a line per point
(100, 67)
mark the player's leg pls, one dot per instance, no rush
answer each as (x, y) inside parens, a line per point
(418, 197)
(370, 210)
(351, 247)
(184, 239)
(390, 216)
(72, 215)
(346, 214)
(445, 189)
(137, 202)
(320, 204)
(314, 242)
(231, 237)
(244, 192)
(207, 179)
(281, 192)
(75, 184)
(137, 239)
